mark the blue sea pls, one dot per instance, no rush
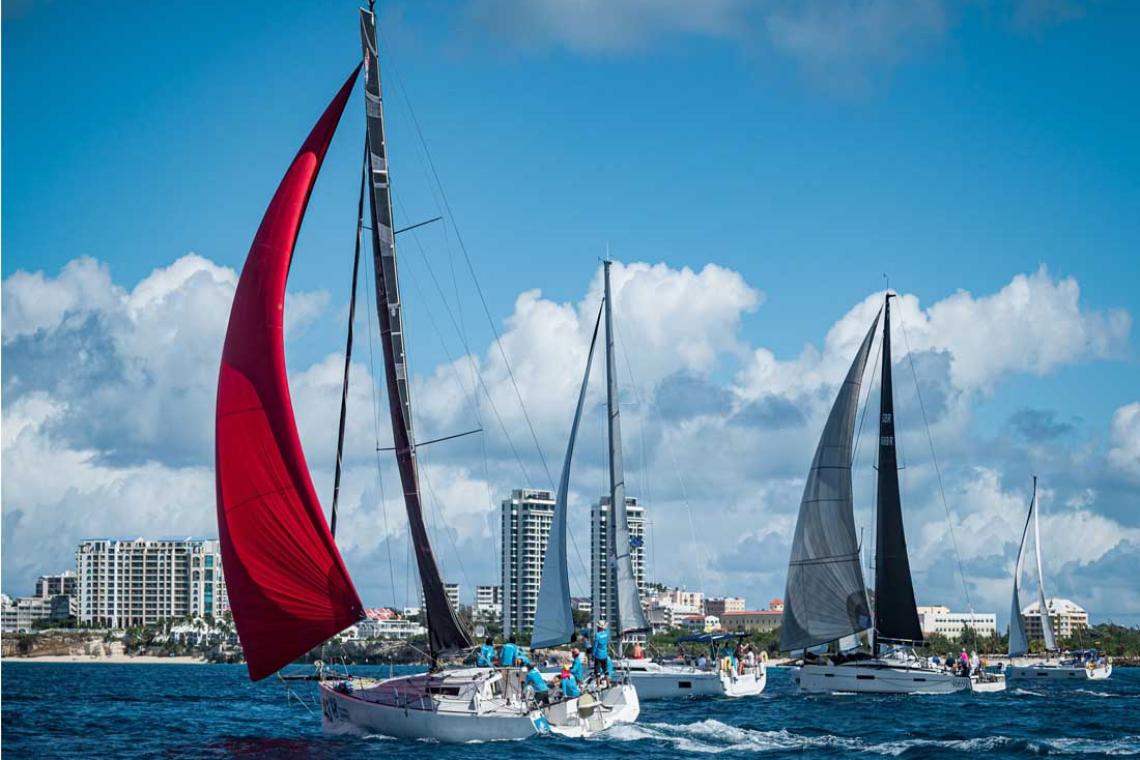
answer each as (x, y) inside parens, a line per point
(81, 711)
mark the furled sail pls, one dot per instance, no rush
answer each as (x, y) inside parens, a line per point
(553, 617)
(631, 618)
(288, 587)
(1018, 641)
(826, 597)
(445, 632)
(1046, 623)
(896, 616)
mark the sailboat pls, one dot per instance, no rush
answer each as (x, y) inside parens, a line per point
(826, 600)
(1087, 665)
(553, 617)
(289, 588)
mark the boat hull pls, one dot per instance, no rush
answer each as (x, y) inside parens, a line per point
(662, 681)
(586, 716)
(873, 678)
(1057, 673)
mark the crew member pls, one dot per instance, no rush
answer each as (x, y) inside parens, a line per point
(486, 654)
(538, 683)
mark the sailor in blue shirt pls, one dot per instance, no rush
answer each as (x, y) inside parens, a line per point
(510, 653)
(570, 688)
(486, 654)
(576, 667)
(538, 683)
(601, 649)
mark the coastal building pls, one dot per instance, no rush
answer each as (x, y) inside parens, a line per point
(582, 604)
(392, 628)
(603, 575)
(125, 582)
(718, 605)
(1067, 617)
(65, 584)
(940, 620)
(526, 518)
(752, 621)
(54, 601)
(701, 623)
(489, 602)
(452, 591)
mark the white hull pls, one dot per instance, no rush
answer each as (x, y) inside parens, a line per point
(876, 677)
(662, 681)
(1057, 672)
(465, 705)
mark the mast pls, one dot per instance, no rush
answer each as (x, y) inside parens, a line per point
(630, 616)
(1046, 623)
(896, 616)
(445, 632)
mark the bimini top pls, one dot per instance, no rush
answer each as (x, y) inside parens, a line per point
(709, 638)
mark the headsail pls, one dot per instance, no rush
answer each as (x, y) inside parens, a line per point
(631, 618)
(553, 617)
(288, 587)
(1018, 641)
(1046, 623)
(445, 632)
(896, 616)
(826, 597)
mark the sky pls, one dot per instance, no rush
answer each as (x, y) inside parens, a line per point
(756, 169)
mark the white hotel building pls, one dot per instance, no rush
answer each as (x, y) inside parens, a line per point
(603, 576)
(951, 624)
(526, 520)
(137, 581)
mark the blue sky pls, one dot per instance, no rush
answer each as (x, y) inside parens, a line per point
(805, 148)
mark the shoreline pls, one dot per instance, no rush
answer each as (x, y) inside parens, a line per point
(114, 659)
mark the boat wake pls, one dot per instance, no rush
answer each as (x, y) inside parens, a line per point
(715, 737)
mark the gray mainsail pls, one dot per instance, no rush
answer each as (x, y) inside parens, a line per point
(631, 618)
(445, 631)
(1046, 623)
(826, 597)
(553, 617)
(1018, 641)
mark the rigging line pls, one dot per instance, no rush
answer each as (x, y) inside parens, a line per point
(937, 467)
(348, 346)
(438, 509)
(376, 431)
(470, 357)
(470, 267)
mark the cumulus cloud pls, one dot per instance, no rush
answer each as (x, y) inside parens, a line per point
(835, 41)
(717, 431)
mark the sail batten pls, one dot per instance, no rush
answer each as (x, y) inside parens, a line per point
(630, 616)
(445, 631)
(553, 616)
(896, 614)
(826, 598)
(288, 587)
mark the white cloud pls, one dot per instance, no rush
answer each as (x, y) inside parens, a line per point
(1124, 453)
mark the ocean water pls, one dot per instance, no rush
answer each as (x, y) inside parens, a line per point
(81, 711)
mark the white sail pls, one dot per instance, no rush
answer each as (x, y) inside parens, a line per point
(1046, 624)
(1018, 640)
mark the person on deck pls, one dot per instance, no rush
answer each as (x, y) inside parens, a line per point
(601, 651)
(510, 653)
(638, 652)
(486, 654)
(521, 659)
(576, 666)
(569, 685)
(535, 680)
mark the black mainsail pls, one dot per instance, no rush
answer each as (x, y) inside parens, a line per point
(445, 632)
(896, 616)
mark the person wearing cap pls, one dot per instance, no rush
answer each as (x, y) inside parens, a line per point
(538, 683)
(569, 685)
(576, 666)
(601, 650)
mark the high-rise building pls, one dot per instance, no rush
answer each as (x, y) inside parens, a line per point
(603, 574)
(526, 519)
(137, 581)
(452, 591)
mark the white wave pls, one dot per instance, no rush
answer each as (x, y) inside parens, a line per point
(715, 737)
(1092, 693)
(1026, 693)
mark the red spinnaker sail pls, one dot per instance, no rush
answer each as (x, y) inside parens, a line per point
(288, 586)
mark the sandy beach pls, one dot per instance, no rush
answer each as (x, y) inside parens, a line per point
(113, 659)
